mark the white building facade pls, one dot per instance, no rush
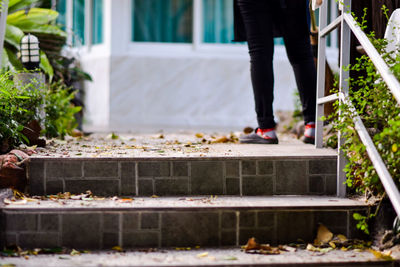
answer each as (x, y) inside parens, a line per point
(167, 64)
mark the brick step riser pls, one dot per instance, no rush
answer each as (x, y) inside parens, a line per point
(103, 229)
(173, 177)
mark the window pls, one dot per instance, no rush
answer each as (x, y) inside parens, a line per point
(78, 25)
(62, 11)
(218, 21)
(167, 21)
(97, 22)
(78, 17)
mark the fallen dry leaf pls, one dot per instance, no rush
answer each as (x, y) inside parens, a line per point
(199, 135)
(271, 251)
(117, 248)
(382, 256)
(15, 202)
(262, 248)
(342, 238)
(202, 255)
(251, 245)
(74, 252)
(181, 248)
(222, 139)
(324, 236)
(125, 200)
(316, 249)
(287, 248)
(34, 147)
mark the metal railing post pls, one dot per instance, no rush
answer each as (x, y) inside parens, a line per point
(345, 36)
(323, 16)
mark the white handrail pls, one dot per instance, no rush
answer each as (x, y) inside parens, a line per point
(375, 157)
(348, 23)
(379, 63)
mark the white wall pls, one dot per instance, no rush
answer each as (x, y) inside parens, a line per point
(140, 90)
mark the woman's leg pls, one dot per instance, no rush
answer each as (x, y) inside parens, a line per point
(258, 23)
(297, 41)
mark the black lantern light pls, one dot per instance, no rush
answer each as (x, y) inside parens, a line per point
(30, 52)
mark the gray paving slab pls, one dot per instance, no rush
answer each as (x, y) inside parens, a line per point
(170, 222)
(203, 257)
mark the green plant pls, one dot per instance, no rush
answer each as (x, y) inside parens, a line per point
(19, 104)
(60, 112)
(362, 222)
(380, 114)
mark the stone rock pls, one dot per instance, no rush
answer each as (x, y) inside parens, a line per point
(12, 170)
(388, 240)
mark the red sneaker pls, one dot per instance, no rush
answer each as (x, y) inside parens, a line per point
(309, 133)
(260, 136)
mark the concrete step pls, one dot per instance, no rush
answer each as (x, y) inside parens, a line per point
(288, 172)
(209, 257)
(175, 222)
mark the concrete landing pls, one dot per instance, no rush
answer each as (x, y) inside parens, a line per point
(176, 146)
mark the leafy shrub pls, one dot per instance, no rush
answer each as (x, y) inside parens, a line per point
(19, 104)
(380, 114)
(60, 112)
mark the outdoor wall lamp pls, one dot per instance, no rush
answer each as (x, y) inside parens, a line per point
(30, 52)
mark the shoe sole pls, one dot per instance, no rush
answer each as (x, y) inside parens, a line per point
(308, 140)
(260, 141)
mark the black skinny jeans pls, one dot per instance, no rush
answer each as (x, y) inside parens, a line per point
(259, 16)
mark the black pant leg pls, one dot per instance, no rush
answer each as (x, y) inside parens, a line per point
(297, 42)
(258, 23)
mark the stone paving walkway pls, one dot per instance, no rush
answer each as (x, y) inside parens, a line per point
(201, 257)
(187, 144)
